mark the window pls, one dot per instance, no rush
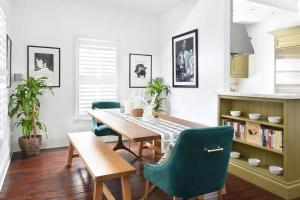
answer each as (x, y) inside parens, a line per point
(97, 73)
(3, 74)
(287, 71)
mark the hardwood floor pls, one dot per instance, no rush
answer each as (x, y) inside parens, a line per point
(45, 177)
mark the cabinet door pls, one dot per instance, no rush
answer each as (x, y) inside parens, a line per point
(288, 41)
(239, 66)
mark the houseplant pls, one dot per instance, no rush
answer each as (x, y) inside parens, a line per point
(158, 89)
(24, 104)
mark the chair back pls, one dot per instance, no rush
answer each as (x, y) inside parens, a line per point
(198, 164)
(105, 104)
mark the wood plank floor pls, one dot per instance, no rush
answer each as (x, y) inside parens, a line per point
(45, 177)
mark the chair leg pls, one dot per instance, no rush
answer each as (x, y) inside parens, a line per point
(199, 197)
(224, 191)
(220, 194)
(147, 190)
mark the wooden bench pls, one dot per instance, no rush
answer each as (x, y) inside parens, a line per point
(102, 163)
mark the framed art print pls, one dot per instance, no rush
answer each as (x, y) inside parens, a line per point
(44, 62)
(185, 59)
(8, 61)
(140, 70)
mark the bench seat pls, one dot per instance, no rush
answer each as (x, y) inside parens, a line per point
(102, 163)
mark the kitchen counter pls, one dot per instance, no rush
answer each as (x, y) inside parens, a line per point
(271, 95)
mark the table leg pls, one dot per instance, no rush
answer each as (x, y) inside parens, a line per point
(141, 147)
(126, 190)
(98, 190)
(120, 145)
(70, 155)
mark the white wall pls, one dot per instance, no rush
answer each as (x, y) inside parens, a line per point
(57, 23)
(212, 19)
(262, 62)
(5, 146)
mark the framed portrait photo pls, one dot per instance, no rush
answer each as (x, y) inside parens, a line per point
(185, 60)
(44, 62)
(140, 70)
(8, 61)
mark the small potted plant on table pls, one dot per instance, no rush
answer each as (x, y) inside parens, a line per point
(24, 104)
(157, 88)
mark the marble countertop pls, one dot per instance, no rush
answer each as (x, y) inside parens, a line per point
(271, 95)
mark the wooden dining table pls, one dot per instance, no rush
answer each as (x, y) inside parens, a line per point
(135, 133)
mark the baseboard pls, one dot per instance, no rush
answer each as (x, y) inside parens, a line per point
(61, 142)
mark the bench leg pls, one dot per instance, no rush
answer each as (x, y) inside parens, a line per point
(126, 190)
(70, 155)
(98, 190)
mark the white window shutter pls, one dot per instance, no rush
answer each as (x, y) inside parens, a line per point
(3, 74)
(97, 73)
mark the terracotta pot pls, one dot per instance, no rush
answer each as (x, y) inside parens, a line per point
(30, 146)
(137, 112)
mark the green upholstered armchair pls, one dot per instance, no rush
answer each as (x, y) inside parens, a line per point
(98, 128)
(197, 166)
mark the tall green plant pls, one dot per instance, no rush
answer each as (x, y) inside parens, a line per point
(24, 104)
(157, 86)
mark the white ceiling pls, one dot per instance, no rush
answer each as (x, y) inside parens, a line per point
(283, 4)
(249, 12)
(155, 7)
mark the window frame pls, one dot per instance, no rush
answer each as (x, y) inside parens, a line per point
(79, 118)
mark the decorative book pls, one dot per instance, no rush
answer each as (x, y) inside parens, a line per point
(252, 133)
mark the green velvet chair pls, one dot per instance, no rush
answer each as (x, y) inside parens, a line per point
(197, 165)
(101, 129)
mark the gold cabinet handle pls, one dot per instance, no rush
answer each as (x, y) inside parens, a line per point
(213, 150)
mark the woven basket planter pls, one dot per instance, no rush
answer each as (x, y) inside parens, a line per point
(30, 146)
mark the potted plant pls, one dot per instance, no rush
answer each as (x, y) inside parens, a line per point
(157, 88)
(24, 104)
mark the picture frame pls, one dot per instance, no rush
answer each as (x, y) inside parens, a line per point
(8, 60)
(44, 61)
(140, 70)
(185, 60)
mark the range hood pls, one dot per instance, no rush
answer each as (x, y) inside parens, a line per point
(240, 42)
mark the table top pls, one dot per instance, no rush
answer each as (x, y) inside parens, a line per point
(133, 131)
(101, 161)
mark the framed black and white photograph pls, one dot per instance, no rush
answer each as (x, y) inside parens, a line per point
(44, 62)
(140, 70)
(8, 61)
(185, 59)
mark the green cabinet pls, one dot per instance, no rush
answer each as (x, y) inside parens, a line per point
(239, 66)
(286, 185)
(289, 37)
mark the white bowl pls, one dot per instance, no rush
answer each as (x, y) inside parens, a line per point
(235, 154)
(253, 162)
(235, 113)
(276, 170)
(274, 119)
(254, 116)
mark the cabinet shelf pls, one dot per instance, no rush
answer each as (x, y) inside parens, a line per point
(260, 147)
(263, 170)
(262, 122)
